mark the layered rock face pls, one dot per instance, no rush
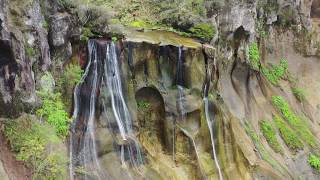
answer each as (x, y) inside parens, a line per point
(167, 79)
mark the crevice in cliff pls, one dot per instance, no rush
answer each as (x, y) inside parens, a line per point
(315, 9)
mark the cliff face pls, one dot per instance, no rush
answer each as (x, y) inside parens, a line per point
(191, 103)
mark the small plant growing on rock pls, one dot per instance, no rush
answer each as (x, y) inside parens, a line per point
(270, 134)
(296, 122)
(276, 72)
(314, 162)
(288, 135)
(254, 56)
(143, 105)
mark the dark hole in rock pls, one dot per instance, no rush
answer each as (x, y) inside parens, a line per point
(151, 113)
(315, 9)
(6, 54)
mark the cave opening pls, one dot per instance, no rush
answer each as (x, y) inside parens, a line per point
(151, 114)
(315, 9)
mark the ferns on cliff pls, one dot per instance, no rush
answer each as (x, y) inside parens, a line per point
(296, 122)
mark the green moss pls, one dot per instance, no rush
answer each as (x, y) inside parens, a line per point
(254, 56)
(31, 139)
(288, 135)
(297, 123)
(276, 72)
(314, 162)
(202, 31)
(299, 93)
(270, 134)
(139, 24)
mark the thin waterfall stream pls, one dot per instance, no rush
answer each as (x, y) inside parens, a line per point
(210, 126)
(191, 137)
(101, 80)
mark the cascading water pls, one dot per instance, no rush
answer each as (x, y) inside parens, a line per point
(102, 71)
(210, 126)
(82, 140)
(180, 101)
(121, 114)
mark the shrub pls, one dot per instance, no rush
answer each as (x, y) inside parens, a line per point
(288, 135)
(270, 134)
(53, 110)
(300, 126)
(86, 34)
(70, 77)
(30, 140)
(276, 72)
(314, 162)
(299, 93)
(203, 31)
(254, 56)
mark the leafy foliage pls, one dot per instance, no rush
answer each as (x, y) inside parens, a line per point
(288, 135)
(69, 78)
(30, 140)
(300, 126)
(276, 72)
(254, 56)
(52, 109)
(314, 162)
(270, 134)
(202, 31)
(261, 149)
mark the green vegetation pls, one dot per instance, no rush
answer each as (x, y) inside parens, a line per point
(288, 135)
(31, 139)
(30, 52)
(203, 31)
(270, 134)
(261, 149)
(314, 162)
(276, 72)
(254, 56)
(299, 93)
(298, 125)
(86, 34)
(53, 110)
(71, 75)
(143, 105)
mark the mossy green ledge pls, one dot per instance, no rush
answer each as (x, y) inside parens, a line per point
(161, 38)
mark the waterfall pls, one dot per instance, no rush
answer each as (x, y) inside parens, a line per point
(112, 84)
(102, 75)
(181, 96)
(210, 126)
(82, 139)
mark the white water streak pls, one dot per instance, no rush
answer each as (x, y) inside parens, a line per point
(210, 126)
(196, 150)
